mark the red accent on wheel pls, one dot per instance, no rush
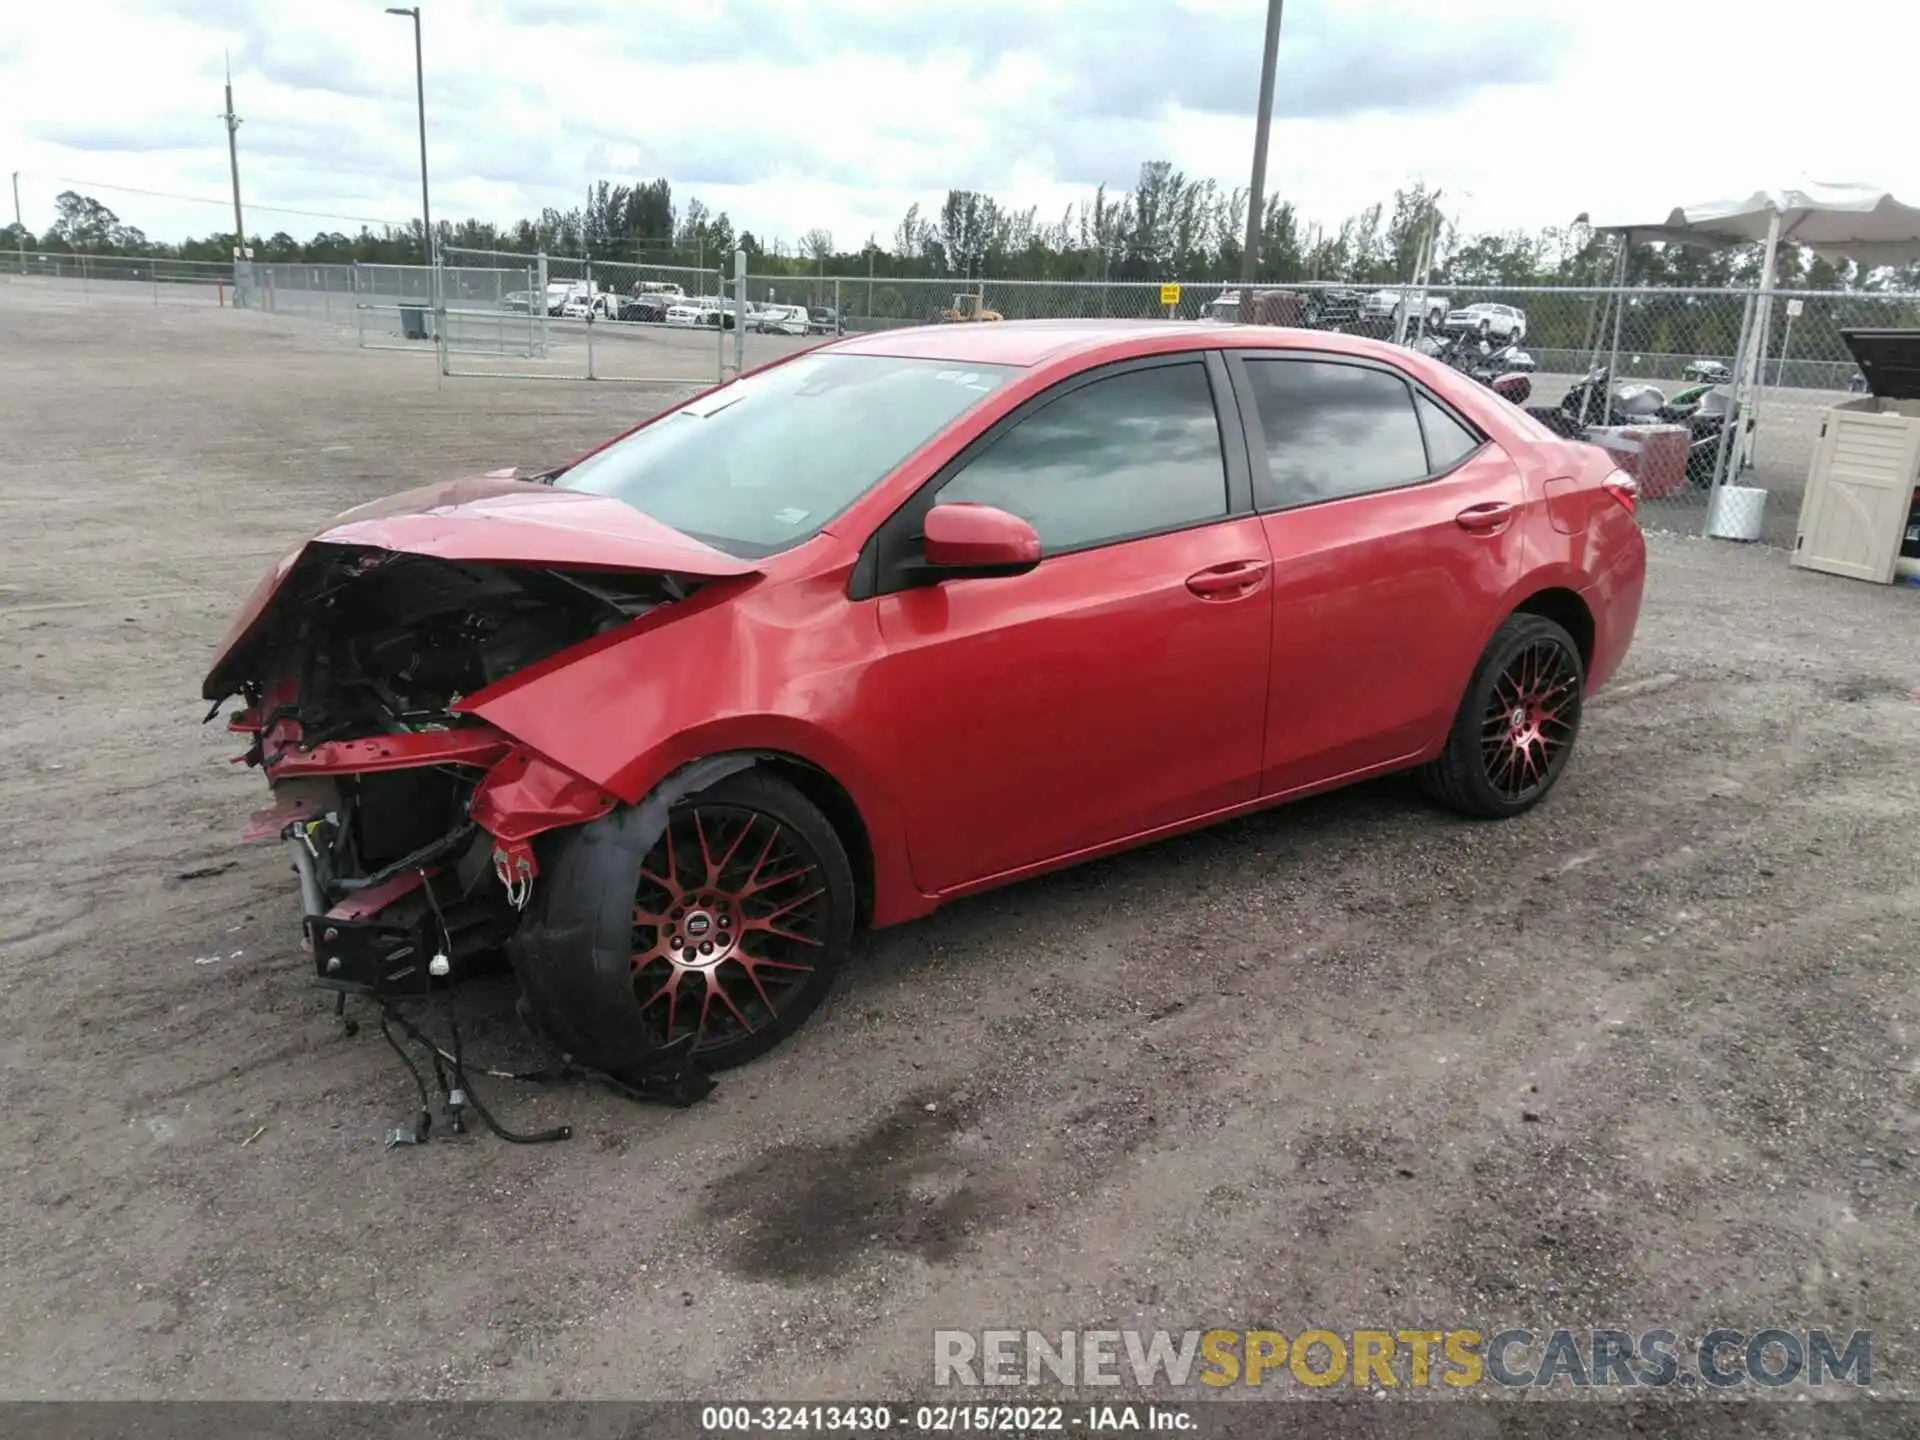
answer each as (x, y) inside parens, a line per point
(729, 905)
(1530, 718)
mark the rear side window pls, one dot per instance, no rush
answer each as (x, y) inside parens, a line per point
(1132, 454)
(1335, 430)
(1448, 441)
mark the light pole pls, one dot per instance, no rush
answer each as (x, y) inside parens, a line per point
(1256, 198)
(420, 90)
(242, 256)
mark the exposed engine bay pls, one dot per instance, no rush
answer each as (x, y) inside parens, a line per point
(372, 642)
(408, 822)
(364, 645)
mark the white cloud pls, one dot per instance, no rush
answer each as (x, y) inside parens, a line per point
(841, 113)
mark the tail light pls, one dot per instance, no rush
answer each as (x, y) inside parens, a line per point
(1624, 488)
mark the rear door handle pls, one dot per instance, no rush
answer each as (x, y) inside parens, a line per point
(1485, 517)
(1228, 581)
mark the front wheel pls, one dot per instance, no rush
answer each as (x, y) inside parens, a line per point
(723, 935)
(1517, 723)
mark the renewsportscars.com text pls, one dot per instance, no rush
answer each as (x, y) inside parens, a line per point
(1721, 1358)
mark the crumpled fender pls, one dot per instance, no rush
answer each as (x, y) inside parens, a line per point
(524, 795)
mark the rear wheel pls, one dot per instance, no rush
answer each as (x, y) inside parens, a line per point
(1517, 723)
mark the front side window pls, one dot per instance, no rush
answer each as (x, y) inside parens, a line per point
(760, 465)
(1335, 430)
(1132, 454)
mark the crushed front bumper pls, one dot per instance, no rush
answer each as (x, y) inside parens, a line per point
(495, 796)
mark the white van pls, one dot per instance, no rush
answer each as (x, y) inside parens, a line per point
(781, 320)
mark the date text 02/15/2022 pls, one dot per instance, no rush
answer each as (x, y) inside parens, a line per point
(946, 1419)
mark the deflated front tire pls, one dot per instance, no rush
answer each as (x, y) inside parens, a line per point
(721, 930)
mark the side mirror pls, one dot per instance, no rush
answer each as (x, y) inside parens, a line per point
(963, 541)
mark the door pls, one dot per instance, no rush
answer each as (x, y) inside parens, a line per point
(1860, 489)
(1395, 529)
(1119, 686)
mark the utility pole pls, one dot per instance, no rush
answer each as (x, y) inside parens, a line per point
(240, 251)
(1416, 293)
(19, 225)
(1256, 192)
(420, 93)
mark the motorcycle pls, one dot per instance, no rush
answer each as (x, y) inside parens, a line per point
(1593, 400)
(1503, 370)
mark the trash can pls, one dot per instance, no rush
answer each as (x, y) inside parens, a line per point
(415, 322)
(1736, 512)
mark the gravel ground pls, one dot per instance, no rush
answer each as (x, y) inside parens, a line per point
(1649, 1056)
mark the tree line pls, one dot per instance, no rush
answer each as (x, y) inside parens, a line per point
(1169, 226)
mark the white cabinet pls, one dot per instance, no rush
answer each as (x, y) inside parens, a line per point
(1866, 464)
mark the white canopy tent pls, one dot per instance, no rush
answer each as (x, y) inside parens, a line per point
(1841, 222)
(1836, 221)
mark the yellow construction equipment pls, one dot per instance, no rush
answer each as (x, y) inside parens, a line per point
(969, 307)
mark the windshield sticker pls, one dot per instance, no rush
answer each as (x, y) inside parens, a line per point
(792, 515)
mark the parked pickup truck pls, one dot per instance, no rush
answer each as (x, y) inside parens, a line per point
(1384, 307)
(781, 320)
(601, 305)
(1319, 309)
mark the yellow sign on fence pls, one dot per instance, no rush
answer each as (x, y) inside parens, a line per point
(1169, 294)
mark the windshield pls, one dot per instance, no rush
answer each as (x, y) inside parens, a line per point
(760, 465)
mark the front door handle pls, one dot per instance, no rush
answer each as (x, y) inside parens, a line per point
(1486, 517)
(1228, 581)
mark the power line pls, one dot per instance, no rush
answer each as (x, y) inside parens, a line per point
(206, 200)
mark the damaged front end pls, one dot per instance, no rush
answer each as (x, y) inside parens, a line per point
(409, 823)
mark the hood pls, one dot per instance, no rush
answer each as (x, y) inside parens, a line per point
(490, 519)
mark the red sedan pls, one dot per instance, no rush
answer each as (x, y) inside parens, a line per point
(898, 619)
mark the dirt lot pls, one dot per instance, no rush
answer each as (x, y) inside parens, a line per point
(1650, 1056)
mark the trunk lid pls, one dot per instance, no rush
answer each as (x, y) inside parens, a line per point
(477, 523)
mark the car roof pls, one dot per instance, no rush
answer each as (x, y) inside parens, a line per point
(1059, 343)
(1068, 346)
(1024, 342)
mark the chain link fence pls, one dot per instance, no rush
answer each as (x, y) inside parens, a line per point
(119, 279)
(1669, 358)
(1665, 404)
(576, 318)
(1707, 462)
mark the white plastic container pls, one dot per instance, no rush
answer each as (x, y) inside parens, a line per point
(1737, 512)
(1866, 464)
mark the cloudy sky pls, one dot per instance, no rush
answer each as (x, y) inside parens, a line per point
(790, 114)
